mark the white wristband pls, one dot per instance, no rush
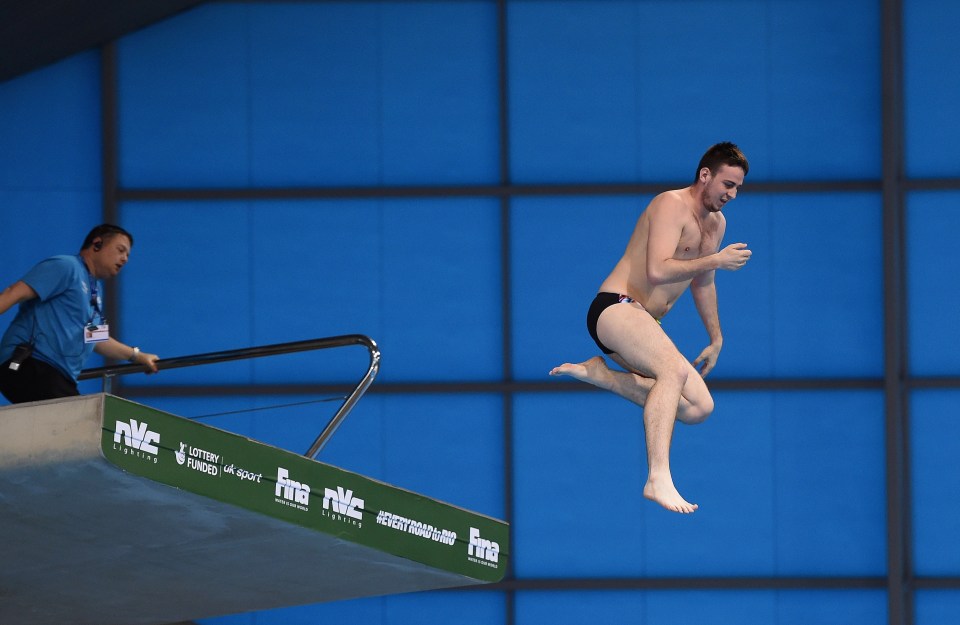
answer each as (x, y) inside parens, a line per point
(136, 352)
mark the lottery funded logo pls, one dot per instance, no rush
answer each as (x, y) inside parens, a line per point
(198, 459)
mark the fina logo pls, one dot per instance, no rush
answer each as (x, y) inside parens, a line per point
(482, 550)
(138, 436)
(290, 491)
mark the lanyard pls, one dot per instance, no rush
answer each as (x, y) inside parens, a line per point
(94, 301)
(97, 313)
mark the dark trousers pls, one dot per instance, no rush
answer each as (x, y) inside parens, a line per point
(35, 380)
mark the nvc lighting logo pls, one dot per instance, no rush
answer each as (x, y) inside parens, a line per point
(135, 438)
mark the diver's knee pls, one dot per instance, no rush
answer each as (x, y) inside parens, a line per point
(699, 411)
(677, 371)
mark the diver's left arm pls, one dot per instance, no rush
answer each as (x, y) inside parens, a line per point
(703, 288)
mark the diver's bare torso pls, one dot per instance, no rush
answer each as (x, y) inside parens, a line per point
(700, 236)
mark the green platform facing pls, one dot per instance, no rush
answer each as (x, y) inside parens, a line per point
(114, 513)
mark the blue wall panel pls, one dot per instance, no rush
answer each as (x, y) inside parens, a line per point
(934, 448)
(184, 101)
(711, 607)
(315, 108)
(312, 267)
(49, 162)
(931, 94)
(37, 223)
(187, 288)
(579, 470)
(823, 89)
(441, 290)
(432, 608)
(841, 307)
(856, 607)
(781, 607)
(831, 607)
(368, 93)
(443, 608)
(617, 91)
(937, 607)
(440, 93)
(50, 128)
(421, 277)
(830, 472)
(578, 607)
(780, 505)
(932, 253)
(312, 94)
(573, 91)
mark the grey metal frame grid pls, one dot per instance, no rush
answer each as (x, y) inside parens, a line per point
(900, 583)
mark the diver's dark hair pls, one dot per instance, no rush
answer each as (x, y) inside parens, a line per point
(725, 153)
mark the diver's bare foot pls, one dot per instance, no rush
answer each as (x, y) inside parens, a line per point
(591, 371)
(664, 493)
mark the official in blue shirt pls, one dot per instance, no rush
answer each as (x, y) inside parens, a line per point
(61, 321)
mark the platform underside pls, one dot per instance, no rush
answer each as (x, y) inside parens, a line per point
(83, 542)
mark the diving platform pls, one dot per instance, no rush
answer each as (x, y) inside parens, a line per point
(115, 513)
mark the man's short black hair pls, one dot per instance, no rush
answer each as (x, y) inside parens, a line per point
(105, 232)
(724, 153)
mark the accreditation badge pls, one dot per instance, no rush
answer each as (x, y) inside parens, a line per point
(96, 333)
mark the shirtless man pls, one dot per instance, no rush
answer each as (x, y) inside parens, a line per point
(675, 245)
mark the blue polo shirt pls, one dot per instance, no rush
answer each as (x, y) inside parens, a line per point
(56, 318)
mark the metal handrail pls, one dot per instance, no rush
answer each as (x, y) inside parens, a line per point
(108, 373)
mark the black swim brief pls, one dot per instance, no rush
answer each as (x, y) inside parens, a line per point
(600, 303)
